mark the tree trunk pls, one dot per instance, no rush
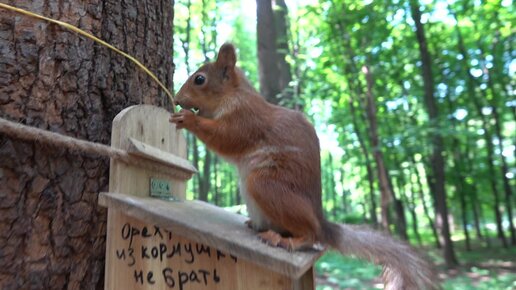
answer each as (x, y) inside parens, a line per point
(365, 153)
(399, 203)
(401, 221)
(415, 220)
(470, 86)
(216, 193)
(504, 168)
(53, 231)
(475, 202)
(426, 211)
(458, 158)
(275, 75)
(350, 67)
(383, 175)
(464, 215)
(332, 186)
(281, 21)
(197, 179)
(437, 160)
(504, 172)
(460, 174)
(344, 199)
(461, 187)
(205, 176)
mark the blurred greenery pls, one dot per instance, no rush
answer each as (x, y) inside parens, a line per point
(337, 272)
(493, 269)
(332, 43)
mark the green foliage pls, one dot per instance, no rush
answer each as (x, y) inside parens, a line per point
(331, 42)
(351, 35)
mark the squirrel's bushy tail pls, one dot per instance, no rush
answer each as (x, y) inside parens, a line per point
(403, 267)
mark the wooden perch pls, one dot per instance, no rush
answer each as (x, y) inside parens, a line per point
(213, 226)
(137, 148)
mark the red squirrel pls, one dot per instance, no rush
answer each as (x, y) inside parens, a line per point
(276, 151)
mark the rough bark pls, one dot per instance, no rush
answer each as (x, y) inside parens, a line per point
(52, 232)
(436, 159)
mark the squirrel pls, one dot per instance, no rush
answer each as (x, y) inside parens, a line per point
(277, 154)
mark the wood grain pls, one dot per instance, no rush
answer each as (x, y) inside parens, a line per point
(196, 266)
(213, 226)
(137, 148)
(149, 125)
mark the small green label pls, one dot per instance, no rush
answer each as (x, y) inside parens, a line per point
(160, 188)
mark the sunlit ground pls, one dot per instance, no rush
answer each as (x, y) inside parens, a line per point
(493, 269)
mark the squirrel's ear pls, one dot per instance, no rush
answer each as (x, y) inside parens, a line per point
(226, 58)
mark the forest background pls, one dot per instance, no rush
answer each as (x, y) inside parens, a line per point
(415, 109)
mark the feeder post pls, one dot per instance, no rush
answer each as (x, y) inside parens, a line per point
(154, 243)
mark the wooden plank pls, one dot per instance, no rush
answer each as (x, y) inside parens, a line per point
(306, 282)
(146, 256)
(149, 125)
(147, 151)
(215, 227)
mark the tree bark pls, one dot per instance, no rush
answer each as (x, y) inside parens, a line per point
(52, 230)
(275, 74)
(436, 159)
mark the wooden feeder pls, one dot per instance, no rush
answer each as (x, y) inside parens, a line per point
(165, 242)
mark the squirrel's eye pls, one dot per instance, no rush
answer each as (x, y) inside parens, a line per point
(199, 80)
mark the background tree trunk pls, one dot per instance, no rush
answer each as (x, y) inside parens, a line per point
(384, 180)
(368, 162)
(485, 124)
(275, 74)
(421, 194)
(52, 232)
(436, 159)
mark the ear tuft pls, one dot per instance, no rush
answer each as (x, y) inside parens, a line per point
(227, 56)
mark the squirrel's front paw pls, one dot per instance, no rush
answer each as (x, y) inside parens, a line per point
(183, 119)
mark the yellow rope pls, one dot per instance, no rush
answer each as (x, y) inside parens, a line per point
(94, 38)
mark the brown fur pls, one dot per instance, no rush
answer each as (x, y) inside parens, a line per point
(276, 151)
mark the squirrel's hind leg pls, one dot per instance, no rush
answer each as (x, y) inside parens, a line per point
(274, 239)
(289, 212)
